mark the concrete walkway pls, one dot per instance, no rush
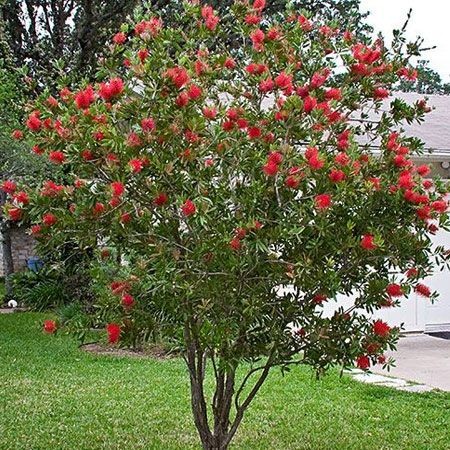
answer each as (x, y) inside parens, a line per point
(422, 359)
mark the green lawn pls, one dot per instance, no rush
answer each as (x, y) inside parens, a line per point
(54, 396)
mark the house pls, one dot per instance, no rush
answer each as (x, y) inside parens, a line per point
(22, 249)
(416, 313)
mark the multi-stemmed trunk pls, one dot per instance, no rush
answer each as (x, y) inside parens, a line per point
(217, 433)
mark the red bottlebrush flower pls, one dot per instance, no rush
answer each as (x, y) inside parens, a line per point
(51, 189)
(209, 162)
(375, 182)
(35, 229)
(136, 165)
(9, 186)
(381, 359)
(33, 122)
(17, 135)
(210, 113)
(117, 188)
(309, 103)
(240, 233)
(57, 157)
(322, 201)
(427, 184)
(336, 176)
(394, 290)
(275, 157)
(98, 208)
(22, 197)
(380, 93)
(363, 362)
(188, 208)
(178, 76)
(182, 100)
(15, 214)
(84, 98)
(148, 125)
(119, 38)
(318, 299)
(254, 132)
(342, 159)
(372, 348)
(113, 330)
(423, 290)
(283, 81)
(87, 155)
(259, 5)
(273, 34)
(318, 79)
(270, 169)
(252, 19)
(114, 202)
(257, 37)
(127, 301)
(49, 219)
(125, 217)
(412, 273)
(333, 94)
(211, 22)
(37, 150)
(266, 85)
(113, 88)
(235, 244)
(134, 140)
(423, 170)
(119, 287)
(367, 242)
(305, 24)
(194, 92)
(49, 326)
(98, 135)
(161, 199)
(316, 163)
(229, 63)
(401, 161)
(311, 152)
(440, 206)
(292, 182)
(424, 212)
(405, 181)
(52, 102)
(143, 54)
(381, 328)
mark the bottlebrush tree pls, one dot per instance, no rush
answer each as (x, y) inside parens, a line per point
(248, 192)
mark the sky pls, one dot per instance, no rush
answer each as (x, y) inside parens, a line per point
(430, 19)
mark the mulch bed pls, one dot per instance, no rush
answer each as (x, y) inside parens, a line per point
(154, 351)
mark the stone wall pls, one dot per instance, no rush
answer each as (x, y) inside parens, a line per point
(22, 249)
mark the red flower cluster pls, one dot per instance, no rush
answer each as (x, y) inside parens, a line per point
(273, 163)
(381, 328)
(113, 330)
(85, 97)
(210, 18)
(368, 242)
(113, 88)
(188, 208)
(322, 201)
(50, 326)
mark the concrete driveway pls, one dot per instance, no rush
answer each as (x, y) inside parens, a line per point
(422, 359)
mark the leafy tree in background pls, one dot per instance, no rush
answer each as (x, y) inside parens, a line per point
(243, 192)
(428, 81)
(55, 37)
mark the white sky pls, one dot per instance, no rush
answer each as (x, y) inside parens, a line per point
(430, 19)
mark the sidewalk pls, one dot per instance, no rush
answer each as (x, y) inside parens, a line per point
(422, 359)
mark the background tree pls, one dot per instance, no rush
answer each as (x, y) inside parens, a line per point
(428, 81)
(244, 194)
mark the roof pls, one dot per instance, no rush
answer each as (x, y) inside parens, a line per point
(435, 130)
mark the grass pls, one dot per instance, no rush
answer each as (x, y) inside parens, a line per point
(54, 396)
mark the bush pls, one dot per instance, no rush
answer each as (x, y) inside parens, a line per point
(235, 185)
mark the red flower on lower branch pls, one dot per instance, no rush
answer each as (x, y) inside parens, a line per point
(113, 330)
(363, 362)
(50, 326)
